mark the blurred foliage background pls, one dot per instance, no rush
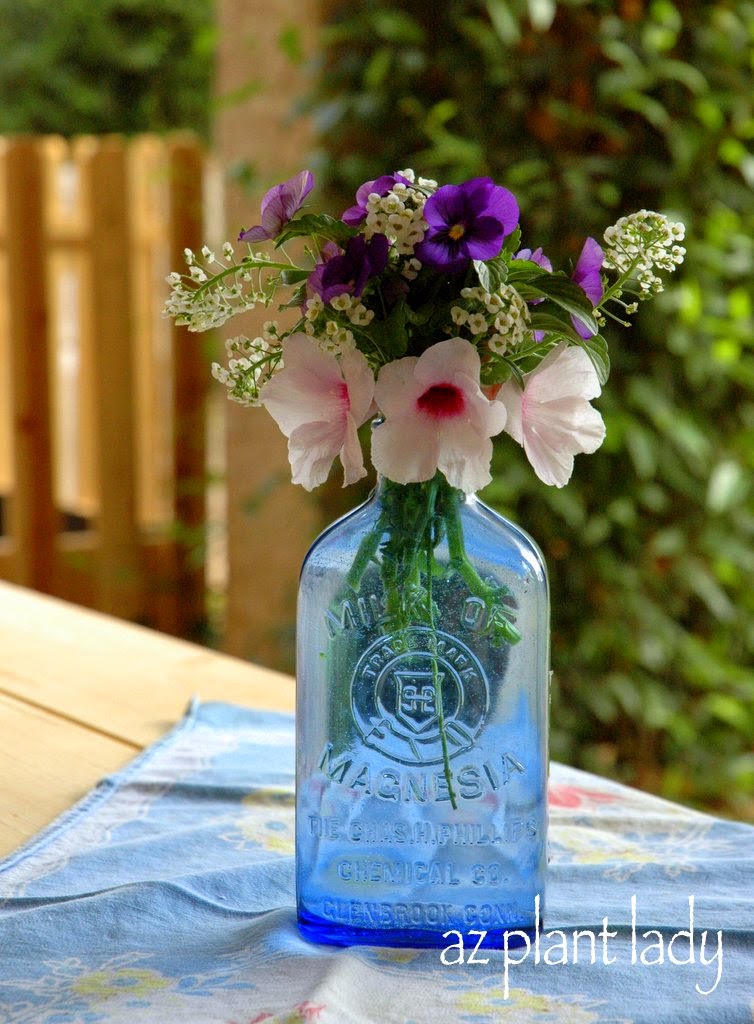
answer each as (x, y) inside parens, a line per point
(79, 67)
(589, 110)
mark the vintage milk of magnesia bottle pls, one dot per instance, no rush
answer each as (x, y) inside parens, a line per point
(422, 745)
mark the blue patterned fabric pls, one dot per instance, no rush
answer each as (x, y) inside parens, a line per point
(167, 896)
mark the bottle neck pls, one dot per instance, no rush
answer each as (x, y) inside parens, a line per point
(435, 490)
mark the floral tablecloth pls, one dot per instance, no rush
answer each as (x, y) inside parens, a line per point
(167, 896)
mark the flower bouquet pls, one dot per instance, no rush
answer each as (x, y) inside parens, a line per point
(423, 658)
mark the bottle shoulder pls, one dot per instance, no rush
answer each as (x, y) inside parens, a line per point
(489, 537)
(497, 531)
(346, 531)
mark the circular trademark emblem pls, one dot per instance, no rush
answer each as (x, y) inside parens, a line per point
(395, 690)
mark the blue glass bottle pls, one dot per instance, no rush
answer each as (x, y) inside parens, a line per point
(423, 671)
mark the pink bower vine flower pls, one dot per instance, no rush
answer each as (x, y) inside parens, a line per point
(436, 417)
(551, 417)
(319, 403)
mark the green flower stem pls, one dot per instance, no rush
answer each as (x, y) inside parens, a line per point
(414, 520)
(430, 553)
(367, 553)
(459, 560)
(617, 286)
(249, 263)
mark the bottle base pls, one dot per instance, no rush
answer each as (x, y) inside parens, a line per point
(332, 933)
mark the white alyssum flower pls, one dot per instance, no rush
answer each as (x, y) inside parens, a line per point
(477, 323)
(251, 363)
(502, 315)
(641, 243)
(202, 300)
(411, 268)
(398, 215)
(342, 302)
(360, 316)
(314, 307)
(336, 340)
(512, 321)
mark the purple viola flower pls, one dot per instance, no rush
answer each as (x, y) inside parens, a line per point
(534, 256)
(587, 276)
(349, 272)
(279, 206)
(466, 222)
(357, 214)
(538, 257)
(328, 252)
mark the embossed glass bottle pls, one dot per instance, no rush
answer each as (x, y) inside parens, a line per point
(423, 670)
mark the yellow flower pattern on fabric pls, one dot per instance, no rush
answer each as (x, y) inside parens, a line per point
(219, 944)
(673, 847)
(524, 1007)
(131, 981)
(266, 822)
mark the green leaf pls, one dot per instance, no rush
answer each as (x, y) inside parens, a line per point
(290, 44)
(498, 370)
(491, 273)
(389, 335)
(523, 269)
(553, 324)
(541, 14)
(483, 273)
(378, 68)
(316, 225)
(512, 242)
(596, 348)
(504, 21)
(396, 26)
(297, 299)
(294, 276)
(564, 293)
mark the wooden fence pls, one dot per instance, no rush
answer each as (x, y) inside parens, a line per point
(102, 403)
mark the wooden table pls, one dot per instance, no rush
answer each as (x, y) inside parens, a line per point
(82, 693)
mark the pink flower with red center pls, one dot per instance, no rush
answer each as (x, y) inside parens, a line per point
(436, 417)
(551, 417)
(319, 402)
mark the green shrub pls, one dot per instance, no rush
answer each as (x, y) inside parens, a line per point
(109, 66)
(587, 115)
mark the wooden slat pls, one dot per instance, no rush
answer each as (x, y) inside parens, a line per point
(6, 433)
(191, 376)
(120, 570)
(34, 521)
(119, 438)
(131, 683)
(148, 191)
(67, 228)
(47, 764)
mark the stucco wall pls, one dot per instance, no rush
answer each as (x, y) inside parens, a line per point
(270, 522)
